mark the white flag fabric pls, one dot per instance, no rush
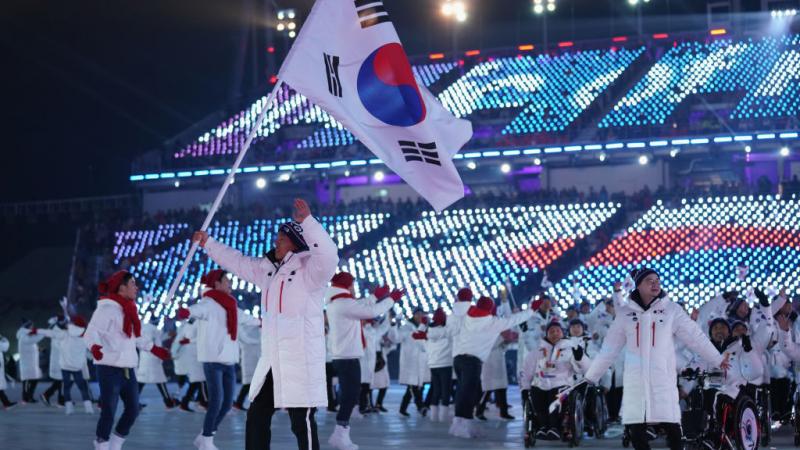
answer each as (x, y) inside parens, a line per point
(741, 272)
(348, 59)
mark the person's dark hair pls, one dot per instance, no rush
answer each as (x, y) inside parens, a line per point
(125, 279)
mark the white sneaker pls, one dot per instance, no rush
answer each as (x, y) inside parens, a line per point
(340, 439)
(453, 425)
(462, 428)
(444, 414)
(68, 408)
(205, 442)
(87, 406)
(100, 445)
(433, 414)
(475, 429)
(356, 414)
(115, 443)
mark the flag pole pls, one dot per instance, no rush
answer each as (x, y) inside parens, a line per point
(228, 180)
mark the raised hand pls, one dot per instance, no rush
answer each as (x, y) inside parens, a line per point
(301, 210)
(200, 237)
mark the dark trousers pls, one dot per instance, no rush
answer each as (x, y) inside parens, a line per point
(330, 372)
(381, 396)
(468, 393)
(197, 391)
(242, 395)
(541, 400)
(28, 389)
(640, 441)
(220, 379)
(3, 399)
(781, 396)
(364, 398)
(55, 386)
(259, 421)
(614, 402)
(162, 389)
(441, 379)
(76, 377)
(116, 384)
(412, 392)
(349, 373)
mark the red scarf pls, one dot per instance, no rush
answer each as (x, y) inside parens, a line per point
(231, 310)
(360, 324)
(131, 325)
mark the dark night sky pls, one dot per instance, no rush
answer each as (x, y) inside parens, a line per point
(88, 85)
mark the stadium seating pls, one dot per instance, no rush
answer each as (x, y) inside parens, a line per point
(482, 248)
(697, 247)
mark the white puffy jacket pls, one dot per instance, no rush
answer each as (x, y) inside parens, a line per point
(28, 344)
(344, 321)
(185, 355)
(550, 366)
(151, 368)
(478, 333)
(745, 367)
(373, 335)
(439, 347)
(214, 343)
(411, 355)
(647, 338)
(4, 345)
(250, 345)
(494, 374)
(293, 328)
(105, 330)
(57, 336)
(72, 356)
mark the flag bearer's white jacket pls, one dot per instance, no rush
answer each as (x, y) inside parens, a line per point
(185, 355)
(552, 365)
(478, 334)
(293, 328)
(647, 338)
(346, 335)
(105, 330)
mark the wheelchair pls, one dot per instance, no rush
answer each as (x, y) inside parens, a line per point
(572, 420)
(596, 414)
(760, 395)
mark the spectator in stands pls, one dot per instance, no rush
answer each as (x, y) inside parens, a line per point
(292, 279)
(219, 320)
(645, 328)
(112, 336)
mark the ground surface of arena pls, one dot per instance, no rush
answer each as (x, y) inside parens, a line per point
(36, 427)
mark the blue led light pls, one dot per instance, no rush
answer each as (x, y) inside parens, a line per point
(358, 162)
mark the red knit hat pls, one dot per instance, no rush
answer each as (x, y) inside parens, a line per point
(112, 284)
(439, 317)
(464, 295)
(343, 280)
(486, 304)
(79, 321)
(212, 277)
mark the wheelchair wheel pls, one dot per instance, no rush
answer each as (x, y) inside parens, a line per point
(600, 415)
(576, 418)
(626, 438)
(745, 429)
(530, 429)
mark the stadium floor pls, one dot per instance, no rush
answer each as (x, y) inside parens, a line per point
(36, 427)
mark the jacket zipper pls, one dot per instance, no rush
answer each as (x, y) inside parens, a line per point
(280, 299)
(654, 334)
(637, 334)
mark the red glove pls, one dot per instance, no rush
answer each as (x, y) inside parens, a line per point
(96, 353)
(419, 335)
(183, 314)
(381, 292)
(160, 352)
(536, 304)
(397, 295)
(32, 332)
(184, 341)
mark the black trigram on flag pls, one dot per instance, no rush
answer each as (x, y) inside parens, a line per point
(420, 151)
(332, 72)
(371, 12)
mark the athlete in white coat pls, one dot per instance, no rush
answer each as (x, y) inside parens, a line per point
(57, 334)
(250, 345)
(471, 348)
(292, 278)
(72, 361)
(555, 363)
(381, 379)
(645, 329)
(218, 322)
(494, 375)
(184, 349)
(28, 338)
(374, 331)
(348, 345)
(7, 404)
(439, 348)
(151, 367)
(112, 336)
(411, 354)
